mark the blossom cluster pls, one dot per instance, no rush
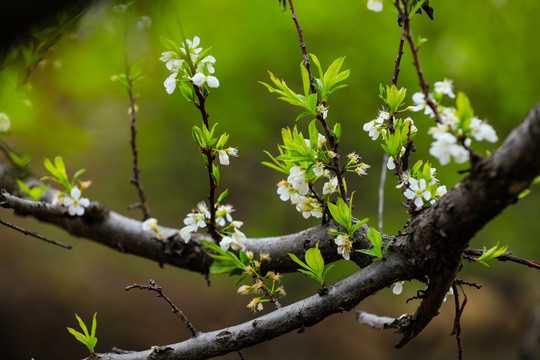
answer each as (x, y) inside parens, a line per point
(458, 125)
(73, 201)
(259, 287)
(420, 185)
(199, 217)
(197, 69)
(296, 189)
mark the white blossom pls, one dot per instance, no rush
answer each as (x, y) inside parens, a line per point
(344, 246)
(445, 146)
(144, 22)
(417, 192)
(236, 241)
(198, 79)
(212, 81)
(297, 179)
(318, 169)
(375, 5)
(150, 224)
(398, 288)
(75, 203)
(223, 213)
(170, 83)
(5, 124)
(444, 87)
(375, 126)
(285, 190)
(330, 187)
(480, 130)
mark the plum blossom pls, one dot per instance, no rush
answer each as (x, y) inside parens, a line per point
(170, 83)
(151, 225)
(308, 207)
(398, 288)
(285, 190)
(444, 87)
(223, 213)
(318, 169)
(75, 203)
(4, 122)
(445, 146)
(375, 5)
(376, 126)
(212, 81)
(344, 246)
(297, 179)
(236, 241)
(330, 187)
(417, 192)
(480, 130)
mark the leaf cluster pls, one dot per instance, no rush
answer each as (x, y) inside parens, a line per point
(376, 240)
(490, 254)
(87, 339)
(58, 172)
(314, 266)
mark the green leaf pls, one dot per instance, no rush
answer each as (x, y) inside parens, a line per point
(303, 115)
(318, 64)
(222, 196)
(305, 79)
(20, 160)
(299, 262)
(464, 111)
(186, 88)
(82, 325)
(94, 326)
(222, 141)
(78, 335)
(169, 44)
(315, 260)
(136, 69)
(313, 134)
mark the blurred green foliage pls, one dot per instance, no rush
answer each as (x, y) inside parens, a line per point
(70, 107)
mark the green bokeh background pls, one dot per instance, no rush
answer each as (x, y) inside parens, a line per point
(490, 50)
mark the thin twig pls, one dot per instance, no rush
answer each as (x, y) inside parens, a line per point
(471, 254)
(331, 139)
(175, 309)
(136, 179)
(457, 320)
(36, 235)
(381, 191)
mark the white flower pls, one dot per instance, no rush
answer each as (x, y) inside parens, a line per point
(441, 191)
(150, 224)
(237, 224)
(203, 209)
(144, 22)
(375, 5)
(404, 179)
(480, 130)
(223, 213)
(308, 207)
(417, 192)
(297, 179)
(444, 87)
(174, 65)
(411, 122)
(330, 187)
(75, 203)
(192, 46)
(420, 104)
(5, 124)
(344, 246)
(198, 79)
(285, 190)
(321, 141)
(237, 241)
(375, 126)
(446, 146)
(195, 219)
(318, 169)
(212, 81)
(398, 288)
(361, 169)
(167, 55)
(170, 83)
(390, 163)
(223, 157)
(185, 232)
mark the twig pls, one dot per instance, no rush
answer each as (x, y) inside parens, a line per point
(457, 320)
(175, 309)
(375, 321)
(331, 139)
(136, 179)
(404, 15)
(471, 254)
(36, 235)
(381, 191)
